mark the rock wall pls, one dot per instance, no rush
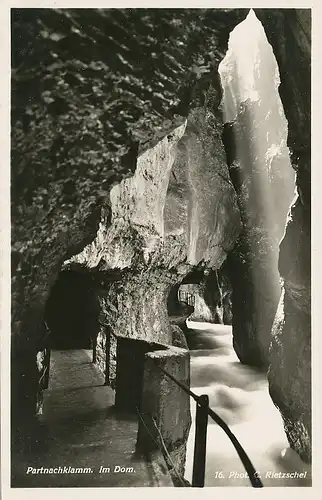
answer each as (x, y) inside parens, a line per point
(90, 89)
(101, 349)
(224, 305)
(290, 354)
(255, 138)
(177, 211)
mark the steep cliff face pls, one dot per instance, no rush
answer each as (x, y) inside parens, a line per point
(90, 90)
(219, 297)
(178, 210)
(255, 139)
(290, 355)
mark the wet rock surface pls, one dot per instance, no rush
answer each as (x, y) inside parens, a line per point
(178, 210)
(290, 356)
(255, 138)
(90, 90)
(90, 87)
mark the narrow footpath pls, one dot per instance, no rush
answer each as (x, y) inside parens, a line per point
(81, 429)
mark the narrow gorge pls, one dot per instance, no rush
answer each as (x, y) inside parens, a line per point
(160, 170)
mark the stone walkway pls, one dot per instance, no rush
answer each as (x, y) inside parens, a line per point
(81, 429)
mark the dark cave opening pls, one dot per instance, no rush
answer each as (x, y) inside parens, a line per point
(208, 292)
(72, 311)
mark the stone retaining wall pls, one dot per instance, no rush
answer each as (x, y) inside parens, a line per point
(165, 405)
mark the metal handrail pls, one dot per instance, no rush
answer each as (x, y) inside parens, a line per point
(250, 469)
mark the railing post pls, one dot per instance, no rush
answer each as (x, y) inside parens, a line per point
(199, 458)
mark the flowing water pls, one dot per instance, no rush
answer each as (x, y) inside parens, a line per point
(239, 394)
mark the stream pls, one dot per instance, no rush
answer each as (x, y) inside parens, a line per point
(239, 394)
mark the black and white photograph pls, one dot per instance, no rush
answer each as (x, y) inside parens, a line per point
(160, 247)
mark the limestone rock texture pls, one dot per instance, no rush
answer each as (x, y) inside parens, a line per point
(177, 211)
(90, 90)
(290, 352)
(260, 168)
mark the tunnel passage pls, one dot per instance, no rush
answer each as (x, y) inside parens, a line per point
(180, 308)
(72, 311)
(209, 292)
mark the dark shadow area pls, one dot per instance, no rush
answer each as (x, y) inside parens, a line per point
(72, 311)
(129, 372)
(79, 424)
(178, 310)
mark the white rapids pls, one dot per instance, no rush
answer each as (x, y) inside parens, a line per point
(239, 394)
